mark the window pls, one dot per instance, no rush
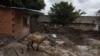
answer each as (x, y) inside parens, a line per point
(25, 22)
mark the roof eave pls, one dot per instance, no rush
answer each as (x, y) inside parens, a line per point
(24, 10)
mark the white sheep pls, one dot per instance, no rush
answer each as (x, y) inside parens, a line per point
(36, 38)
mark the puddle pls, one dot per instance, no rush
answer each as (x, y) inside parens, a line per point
(60, 42)
(82, 47)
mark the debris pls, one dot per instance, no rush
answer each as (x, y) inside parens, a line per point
(64, 47)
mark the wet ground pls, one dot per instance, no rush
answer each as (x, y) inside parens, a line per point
(63, 47)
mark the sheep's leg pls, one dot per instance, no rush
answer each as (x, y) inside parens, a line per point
(32, 45)
(28, 45)
(37, 47)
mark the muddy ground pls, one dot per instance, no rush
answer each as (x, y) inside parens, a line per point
(65, 46)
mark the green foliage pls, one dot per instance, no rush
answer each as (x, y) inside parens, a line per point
(31, 4)
(63, 13)
(17, 3)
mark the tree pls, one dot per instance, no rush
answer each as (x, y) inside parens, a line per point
(34, 4)
(30, 4)
(98, 13)
(64, 13)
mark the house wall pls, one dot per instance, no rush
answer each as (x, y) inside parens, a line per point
(86, 19)
(87, 23)
(83, 26)
(82, 22)
(6, 22)
(11, 23)
(19, 29)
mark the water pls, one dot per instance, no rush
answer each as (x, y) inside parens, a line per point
(82, 47)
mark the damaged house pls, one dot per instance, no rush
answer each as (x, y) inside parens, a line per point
(83, 22)
(87, 23)
(15, 22)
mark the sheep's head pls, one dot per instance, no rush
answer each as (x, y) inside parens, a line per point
(46, 37)
(26, 38)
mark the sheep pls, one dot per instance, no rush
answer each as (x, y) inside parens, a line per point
(35, 38)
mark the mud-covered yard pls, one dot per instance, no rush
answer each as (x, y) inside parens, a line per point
(64, 47)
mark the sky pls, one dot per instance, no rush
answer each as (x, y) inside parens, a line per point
(88, 6)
